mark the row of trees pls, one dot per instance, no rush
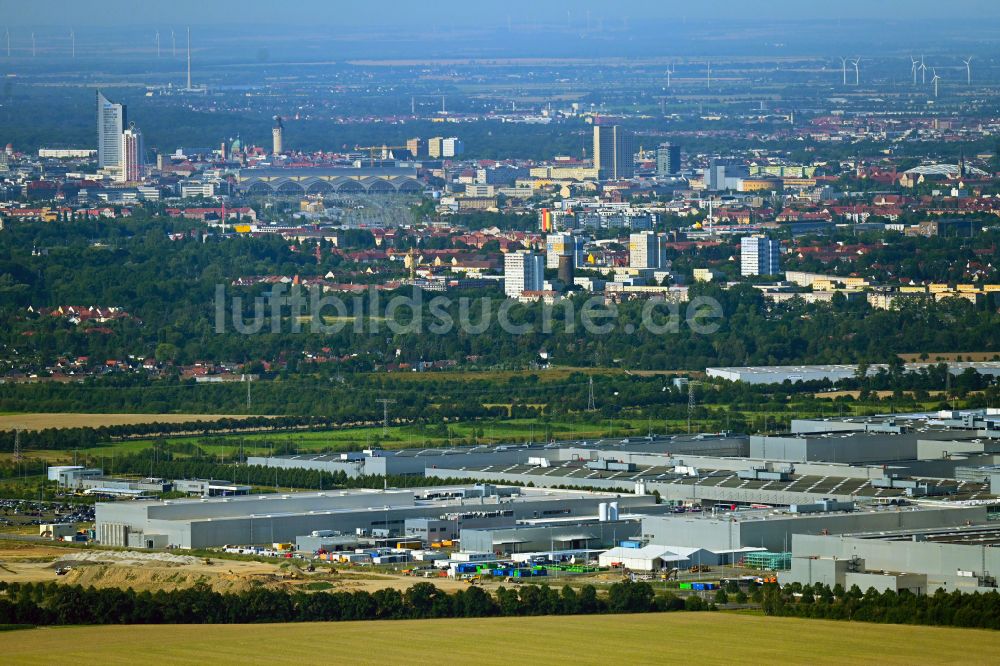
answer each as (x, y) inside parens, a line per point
(43, 604)
(148, 463)
(954, 609)
(84, 437)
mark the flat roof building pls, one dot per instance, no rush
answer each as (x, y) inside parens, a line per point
(218, 521)
(773, 530)
(964, 558)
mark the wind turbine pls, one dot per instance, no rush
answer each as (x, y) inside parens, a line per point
(923, 70)
(670, 72)
(32, 45)
(857, 71)
(157, 43)
(968, 70)
(708, 73)
(913, 69)
(7, 30)
(935, 82)
(173, 43)
(72, 40)
(843, 68)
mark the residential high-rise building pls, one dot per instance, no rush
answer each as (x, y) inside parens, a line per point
(111, 122)
(668, 159)
(434, 147)
(277, 136)
(522, 271)
(415, 146)
(759, 255)
(614, 152)
(563, 245)
(131, 168)
(452, 147)
(546, 221)
(645, 250)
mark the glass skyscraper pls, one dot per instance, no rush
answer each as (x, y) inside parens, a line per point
(111, 122)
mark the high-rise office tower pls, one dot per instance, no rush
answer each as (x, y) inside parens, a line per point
(522, 271)
(276, 136)
(668, 159)
(645, 250)
(614, 152)
(759, 255)
(131, 169)
(111, 122)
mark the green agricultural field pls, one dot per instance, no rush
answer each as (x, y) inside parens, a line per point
(705, 638)
(483, 432)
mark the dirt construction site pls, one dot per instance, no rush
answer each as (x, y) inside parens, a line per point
(25, 562)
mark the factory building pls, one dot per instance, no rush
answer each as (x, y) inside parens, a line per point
(777, 374)
(379, 462)
(274, 518)
(606, 528)
(922, 560)
(729, 477)
(772, 530)
(864, 447)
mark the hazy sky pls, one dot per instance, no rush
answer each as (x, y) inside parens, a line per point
(107, 13)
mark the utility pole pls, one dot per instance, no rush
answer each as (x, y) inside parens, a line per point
(385, 413)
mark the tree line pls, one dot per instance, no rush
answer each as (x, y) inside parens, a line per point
(951, 609)
(85, 437)
(52, 604)
(148, 463)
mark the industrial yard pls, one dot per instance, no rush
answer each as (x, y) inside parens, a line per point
(23, 562)
(734, 638)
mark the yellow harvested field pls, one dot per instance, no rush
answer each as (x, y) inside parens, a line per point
(43, 421)
(703, 638)
(935, 357)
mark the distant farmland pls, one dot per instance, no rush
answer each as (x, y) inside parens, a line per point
(709, 638)
(43, 421)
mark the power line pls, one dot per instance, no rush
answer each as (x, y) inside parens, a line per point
(385, 413)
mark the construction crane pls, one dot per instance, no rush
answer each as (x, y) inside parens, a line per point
(385, 151)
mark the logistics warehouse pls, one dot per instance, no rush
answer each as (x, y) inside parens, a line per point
(208, 522)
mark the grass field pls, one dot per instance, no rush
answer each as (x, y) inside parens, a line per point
(43, 421)
(706, 638)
